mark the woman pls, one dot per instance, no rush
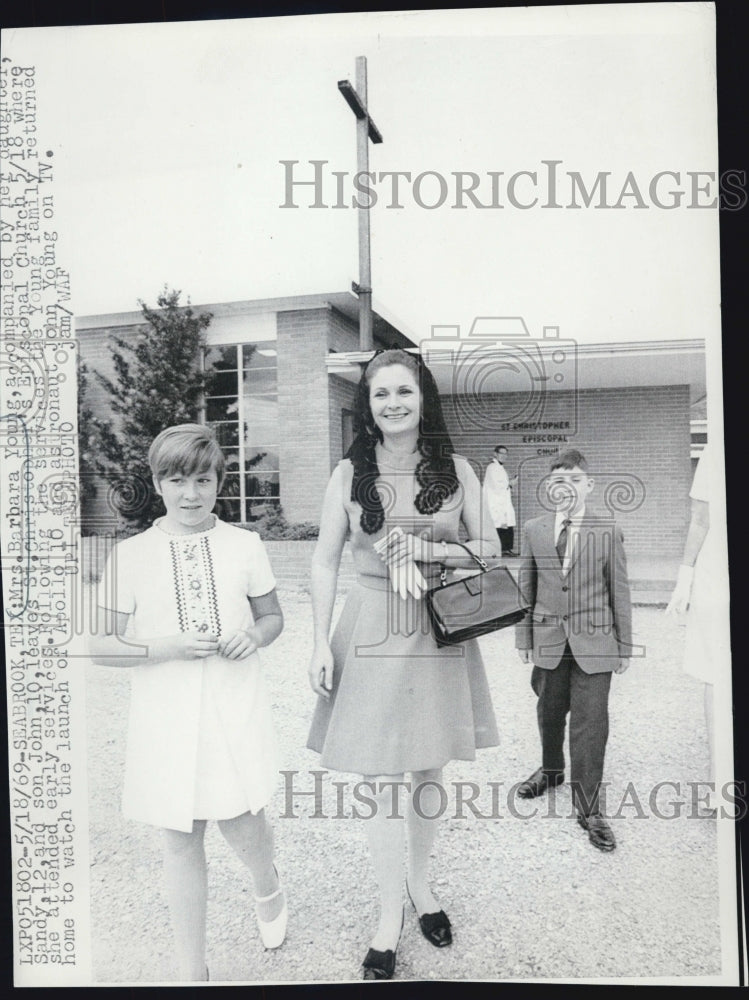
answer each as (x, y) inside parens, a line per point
(701, 593)
(390, 700)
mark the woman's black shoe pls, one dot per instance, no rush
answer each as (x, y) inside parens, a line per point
(381, 964)
(378, 964)
(434, 926)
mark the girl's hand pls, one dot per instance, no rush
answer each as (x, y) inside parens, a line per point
(239, 645)
(192, 645)
(320, 670)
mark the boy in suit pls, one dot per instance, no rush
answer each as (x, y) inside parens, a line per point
(578, 633)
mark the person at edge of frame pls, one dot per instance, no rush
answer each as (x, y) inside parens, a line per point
(579, 632)
(701, 593)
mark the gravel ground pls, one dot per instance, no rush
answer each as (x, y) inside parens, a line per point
(528, 897)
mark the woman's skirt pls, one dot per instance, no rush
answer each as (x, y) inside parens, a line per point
(399, 702)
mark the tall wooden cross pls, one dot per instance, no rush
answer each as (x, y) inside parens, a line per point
(365, 130)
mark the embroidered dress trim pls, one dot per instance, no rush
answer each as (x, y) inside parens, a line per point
(195, 585)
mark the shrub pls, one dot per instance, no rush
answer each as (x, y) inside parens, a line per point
(273, 526)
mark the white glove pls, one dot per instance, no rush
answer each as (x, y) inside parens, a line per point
(395, 549)
(682, 591)
(406, 579)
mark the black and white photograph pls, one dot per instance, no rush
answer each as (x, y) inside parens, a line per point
(364, 549)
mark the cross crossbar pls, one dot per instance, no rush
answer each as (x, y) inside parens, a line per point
(354, 102)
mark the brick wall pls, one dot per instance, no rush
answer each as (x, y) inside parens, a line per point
(310, 405)
(341, 397)
(291, 565)
(638, 437)
(343, 333)
(304, 451)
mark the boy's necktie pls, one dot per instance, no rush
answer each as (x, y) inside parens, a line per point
(562, 540)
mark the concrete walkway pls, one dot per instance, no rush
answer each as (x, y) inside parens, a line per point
(530, 899)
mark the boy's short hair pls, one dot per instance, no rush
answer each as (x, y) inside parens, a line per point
(186, 449)
(569, 460)
(500, 447)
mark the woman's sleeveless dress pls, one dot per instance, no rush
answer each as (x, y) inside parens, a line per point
(399, 702)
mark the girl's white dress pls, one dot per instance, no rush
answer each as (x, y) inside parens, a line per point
(201, 743)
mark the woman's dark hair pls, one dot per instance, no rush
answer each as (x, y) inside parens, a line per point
(435, 472)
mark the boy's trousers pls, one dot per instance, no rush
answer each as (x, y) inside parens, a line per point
(565, 689)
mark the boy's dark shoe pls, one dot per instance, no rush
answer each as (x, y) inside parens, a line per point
(600, 833)
(539, 782)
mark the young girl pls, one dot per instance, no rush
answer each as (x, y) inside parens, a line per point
(197, 597)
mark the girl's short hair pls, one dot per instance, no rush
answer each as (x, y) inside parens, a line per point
(186, 449)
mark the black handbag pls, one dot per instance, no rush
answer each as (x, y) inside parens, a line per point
(485, 602)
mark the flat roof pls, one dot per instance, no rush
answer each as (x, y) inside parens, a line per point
(499, 355)
(551, 364)
(384, 323)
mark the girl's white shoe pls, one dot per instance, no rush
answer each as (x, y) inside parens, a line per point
(273, 932)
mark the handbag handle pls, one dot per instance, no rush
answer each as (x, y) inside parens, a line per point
(477, 559)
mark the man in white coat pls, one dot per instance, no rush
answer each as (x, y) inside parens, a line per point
(498, 490)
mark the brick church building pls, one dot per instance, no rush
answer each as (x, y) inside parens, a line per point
(285, 372)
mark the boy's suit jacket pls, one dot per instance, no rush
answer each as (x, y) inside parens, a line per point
(589, 607)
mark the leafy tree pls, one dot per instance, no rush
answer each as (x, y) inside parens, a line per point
(87, 441)
(158, 382)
